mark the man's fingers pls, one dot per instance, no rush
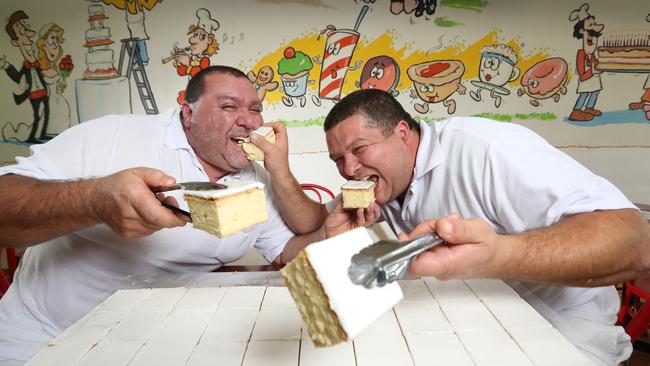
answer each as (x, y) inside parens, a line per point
(153, 177)
(262, 143)
(154, 214)
(172, 201)
(278, 128)
(372, 214)
(457, 231)
(432, 263)
(423, 228)
(361, 217)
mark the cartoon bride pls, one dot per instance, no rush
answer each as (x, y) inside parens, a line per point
(50, 38)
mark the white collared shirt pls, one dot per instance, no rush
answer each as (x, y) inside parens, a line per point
(510, 177)
(60, 280)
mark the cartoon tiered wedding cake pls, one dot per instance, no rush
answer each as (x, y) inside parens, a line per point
(99, 58)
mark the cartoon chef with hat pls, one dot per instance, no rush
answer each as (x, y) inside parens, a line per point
(589, 85)
(203, 44)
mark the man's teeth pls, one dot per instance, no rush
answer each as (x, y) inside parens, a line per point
(370, 177)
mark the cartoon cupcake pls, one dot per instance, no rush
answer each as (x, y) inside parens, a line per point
(294, 70)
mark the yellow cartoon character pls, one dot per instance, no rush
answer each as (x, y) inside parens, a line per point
(203, 44)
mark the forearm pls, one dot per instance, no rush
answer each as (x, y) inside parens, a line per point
(35, 211)
(302, 214)
(297, 243)
(589, 249)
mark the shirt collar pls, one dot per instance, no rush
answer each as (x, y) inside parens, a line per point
(175, 137)
(430, 154)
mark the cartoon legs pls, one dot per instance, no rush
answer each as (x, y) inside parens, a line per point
(288, 101)
(587, 101)
(645, 100)
(450, 104)
(46, 117)
(407, 6)
(476, 95)
(424, 107)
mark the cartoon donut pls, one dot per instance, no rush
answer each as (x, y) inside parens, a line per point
(380, 72)
(544, 80)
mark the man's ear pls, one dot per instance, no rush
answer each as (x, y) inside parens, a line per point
(404, 131)
(186, 114)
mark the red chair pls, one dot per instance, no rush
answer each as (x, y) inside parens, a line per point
(634, 314)
(318, 190)
(12, 264)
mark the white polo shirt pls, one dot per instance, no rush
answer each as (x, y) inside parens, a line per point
(513, 179)
(60, 280)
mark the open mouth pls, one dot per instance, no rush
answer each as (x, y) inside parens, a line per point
(371, 177)
(240, 139)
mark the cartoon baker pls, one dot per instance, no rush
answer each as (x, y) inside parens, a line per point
(203, 44)
(589, 85)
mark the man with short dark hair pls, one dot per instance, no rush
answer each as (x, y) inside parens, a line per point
(509, 206)
(82, 204)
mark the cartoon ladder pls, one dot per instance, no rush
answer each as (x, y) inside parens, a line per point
(129, 45)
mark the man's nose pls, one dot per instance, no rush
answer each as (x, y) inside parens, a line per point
(249, 120)
(351, 166)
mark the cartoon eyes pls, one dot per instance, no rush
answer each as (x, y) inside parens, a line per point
(377, 73)
(426, 88)
(491, 63)
(334, 48)
(202, 36)
(51, 40)
(25, 26)
(290, 83)
(533, 83)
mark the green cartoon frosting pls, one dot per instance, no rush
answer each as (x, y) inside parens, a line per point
(294, 62)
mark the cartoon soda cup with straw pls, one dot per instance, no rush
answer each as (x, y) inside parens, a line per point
(336, 58)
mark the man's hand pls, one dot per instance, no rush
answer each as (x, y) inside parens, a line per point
(126, 203)
(341, 220)
(276, 154)
(469, 253)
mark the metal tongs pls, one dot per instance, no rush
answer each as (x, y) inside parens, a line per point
(187, 186)
(388, 260)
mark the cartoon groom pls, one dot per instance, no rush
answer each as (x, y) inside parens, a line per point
(21, 37)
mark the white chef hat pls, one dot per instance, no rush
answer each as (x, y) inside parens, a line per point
(205, 21)
(580, 14)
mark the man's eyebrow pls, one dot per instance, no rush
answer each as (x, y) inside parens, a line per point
(228, 97)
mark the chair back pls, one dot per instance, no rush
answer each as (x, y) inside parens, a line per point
(318, 190)
(634, 314)
(12, 264)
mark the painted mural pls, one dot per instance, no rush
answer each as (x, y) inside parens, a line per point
(575, 64)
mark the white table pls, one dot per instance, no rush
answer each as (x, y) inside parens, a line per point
(474, 322)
